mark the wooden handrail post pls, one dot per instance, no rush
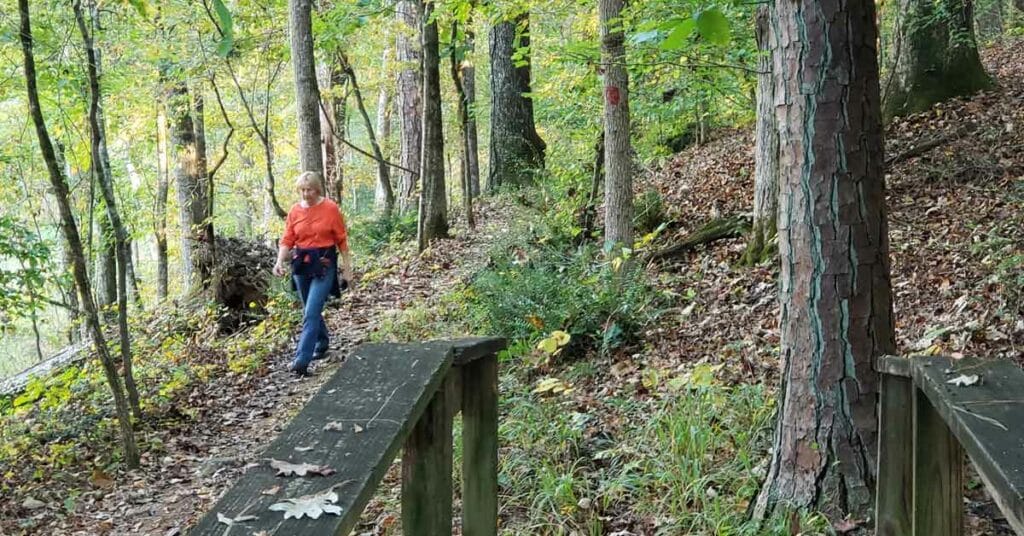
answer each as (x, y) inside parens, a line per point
(894, 499)
(427, 469)
(480, 447)
(938, 473)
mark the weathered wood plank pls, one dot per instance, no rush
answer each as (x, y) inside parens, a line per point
(480, 447)
(472, 348)
(987, 419)
(894, 500)
(894, 365)
(938, 474)
(383, 388)
(427, 469)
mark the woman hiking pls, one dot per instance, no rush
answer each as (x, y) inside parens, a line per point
(313, 237)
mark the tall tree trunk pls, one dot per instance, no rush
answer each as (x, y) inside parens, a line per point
(464, 136)
(160, 204)
(989, 20)
(766, 164)
(409, 92)
(383, 172)
(188, 179)
(339, 111)
(835, 295)
(202, 203)
(101, 168)
(618, 164)
(307, 95)
(328, 73)
(937, 57)
(517, 151)
(433, 217)
(469, 87)
(384, 194)
(74, 242)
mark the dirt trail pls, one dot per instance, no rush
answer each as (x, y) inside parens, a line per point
(236, 416)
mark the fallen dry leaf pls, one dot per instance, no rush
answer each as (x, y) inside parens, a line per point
(300, 469)
(232, 520)
(964, 380)
(312, 506)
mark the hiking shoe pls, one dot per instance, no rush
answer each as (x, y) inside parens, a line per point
(321, 355)
(299, 371)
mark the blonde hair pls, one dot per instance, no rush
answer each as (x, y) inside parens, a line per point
(310, 179)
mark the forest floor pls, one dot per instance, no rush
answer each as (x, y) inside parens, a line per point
(956, 220)
(223, 423)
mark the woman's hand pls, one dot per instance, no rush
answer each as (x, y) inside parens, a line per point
(279, 269)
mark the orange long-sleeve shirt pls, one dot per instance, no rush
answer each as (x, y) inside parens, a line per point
(318, 226)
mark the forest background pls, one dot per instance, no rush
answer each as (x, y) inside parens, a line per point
(214, 78)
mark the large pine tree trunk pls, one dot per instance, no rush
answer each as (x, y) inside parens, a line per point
(517, 151)
(160, 204)
(101, 167)
(835, 296)
(433, 217)
(70, 229)
(618, 164)
(766, 166)
(409, 94)
(937, 57)
(307, 95)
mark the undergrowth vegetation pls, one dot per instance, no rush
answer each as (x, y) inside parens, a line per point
(581, 451)
(66, 419)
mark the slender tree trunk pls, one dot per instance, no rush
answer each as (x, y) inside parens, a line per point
(409, 93)
(383, 172)
(160, 205)
(766, 166)
(517, 151)
(70, 230)
(464, 136)
(384, 194)
(618, 164)
(106, 262)
(307, 95)
(433, 217)
(101, 167)
(469, 87)
(835, 296)
(937, 57)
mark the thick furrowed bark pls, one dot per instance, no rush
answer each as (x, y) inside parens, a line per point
(836, 305)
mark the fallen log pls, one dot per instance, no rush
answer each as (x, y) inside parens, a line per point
(712, 231)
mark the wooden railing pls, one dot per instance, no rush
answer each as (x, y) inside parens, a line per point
(933, 410)
(383, 398)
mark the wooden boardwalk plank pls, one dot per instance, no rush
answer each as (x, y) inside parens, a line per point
(987, 419)
(382, 388)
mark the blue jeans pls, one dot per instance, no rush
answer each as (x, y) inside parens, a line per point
(313, 292)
